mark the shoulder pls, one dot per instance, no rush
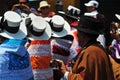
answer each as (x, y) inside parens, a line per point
(94, 51)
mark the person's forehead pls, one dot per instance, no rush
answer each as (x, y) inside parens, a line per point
(22, 0)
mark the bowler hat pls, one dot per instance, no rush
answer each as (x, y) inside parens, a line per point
(39, 29)
(13, 26)
(90, 25)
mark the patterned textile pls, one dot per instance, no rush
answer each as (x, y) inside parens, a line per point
(75, 48)
(40, 55)
(61, 49)
(116, 47)
(14, 61)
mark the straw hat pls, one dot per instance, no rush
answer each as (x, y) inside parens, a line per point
(13, 26)
(43, 4)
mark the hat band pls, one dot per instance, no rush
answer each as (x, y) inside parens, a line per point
(10, 29)
(55, 28)
(35, 32)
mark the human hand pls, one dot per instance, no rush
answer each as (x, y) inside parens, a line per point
(58, 67)
(16, 6)
(59, 64)
(25, 7)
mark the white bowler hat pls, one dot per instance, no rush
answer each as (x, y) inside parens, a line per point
(39, 29)
(74, 9)
(13, 26)
(93, 3)
(59, 26)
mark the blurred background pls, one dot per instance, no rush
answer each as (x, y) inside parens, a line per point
(107, 7)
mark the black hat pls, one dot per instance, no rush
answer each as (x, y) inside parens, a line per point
(90, 25)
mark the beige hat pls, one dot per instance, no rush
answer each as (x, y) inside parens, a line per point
(43, 4)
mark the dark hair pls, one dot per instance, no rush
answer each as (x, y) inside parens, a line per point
(102, 20)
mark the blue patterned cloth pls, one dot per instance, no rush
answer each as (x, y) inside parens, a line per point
(14, 61)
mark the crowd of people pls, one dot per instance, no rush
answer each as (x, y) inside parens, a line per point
(40, 44)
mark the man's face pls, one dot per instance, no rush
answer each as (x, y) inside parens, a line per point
(115, 30)
(90, 9)
(45, 10)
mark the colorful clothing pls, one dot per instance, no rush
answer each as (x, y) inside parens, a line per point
(116, 47)
(40, 55)
(14, 61)
(115, 59)
(61, 49)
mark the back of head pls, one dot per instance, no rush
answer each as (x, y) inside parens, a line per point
(90, 25)
(59, 3)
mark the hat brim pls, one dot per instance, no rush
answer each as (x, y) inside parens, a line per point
(118, 16)
(67, 15)
(64, 32)
(45, 36)
(44, 6)
(21, 34)
(89, 5)
(0, 18)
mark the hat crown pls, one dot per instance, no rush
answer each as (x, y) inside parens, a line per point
(39, 29)
(39, 24)
(43, 4)
(92, 3)
(13, 19)
(58, 21)
(73, 9)
(90, 25)
(13, 26)
(60, 27)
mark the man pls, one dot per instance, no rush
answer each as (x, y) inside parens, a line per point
(115, 47)
(44, 9)
(91, 7)
(23, 8)
(92, 10)
(92, 63)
